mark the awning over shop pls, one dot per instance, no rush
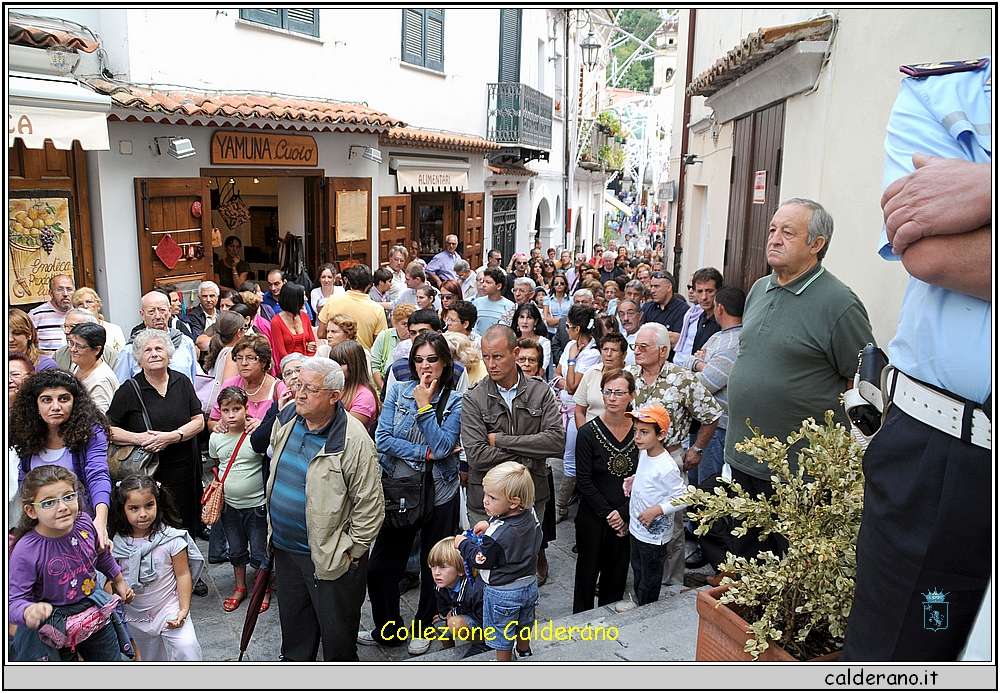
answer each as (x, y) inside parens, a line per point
(50, 108)
(613, 201)
(428, 175)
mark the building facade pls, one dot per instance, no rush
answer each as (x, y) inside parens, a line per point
(352, 129)
(793, 103)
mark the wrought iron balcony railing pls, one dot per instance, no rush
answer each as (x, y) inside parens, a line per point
(519, 116)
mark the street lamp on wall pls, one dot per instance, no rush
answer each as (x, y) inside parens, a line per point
(590, 47)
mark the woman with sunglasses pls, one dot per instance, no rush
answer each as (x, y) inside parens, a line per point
(86, 347)
(53, 420)
(558, 303)
(548, 273)
(451, 291)
(416, 429)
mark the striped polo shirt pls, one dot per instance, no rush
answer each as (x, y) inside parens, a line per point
(49, 322)
(288, 494)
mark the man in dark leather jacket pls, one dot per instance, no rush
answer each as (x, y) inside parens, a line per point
(509, 416)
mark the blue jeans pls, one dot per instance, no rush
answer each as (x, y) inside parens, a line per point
(245, 529)
(102, 646)
(507, 611)
(713, 459)
(647, 570)
(218, 547)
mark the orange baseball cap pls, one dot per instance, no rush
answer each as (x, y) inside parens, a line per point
(652, 413)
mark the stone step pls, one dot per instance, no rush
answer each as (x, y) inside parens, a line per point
(664, 631)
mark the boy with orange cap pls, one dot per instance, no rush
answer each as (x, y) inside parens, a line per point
(651, 515)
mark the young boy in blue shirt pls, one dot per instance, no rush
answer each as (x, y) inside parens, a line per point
(459, 594)
(506, 556)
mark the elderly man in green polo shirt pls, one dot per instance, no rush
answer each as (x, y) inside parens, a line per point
(802, 331)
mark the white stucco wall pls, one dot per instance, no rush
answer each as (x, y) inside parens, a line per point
(113, 205)
(833, 137)
(356, 58)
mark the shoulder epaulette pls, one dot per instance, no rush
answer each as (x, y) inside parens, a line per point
(921, 70)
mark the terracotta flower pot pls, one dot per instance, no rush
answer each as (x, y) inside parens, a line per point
(722, 634)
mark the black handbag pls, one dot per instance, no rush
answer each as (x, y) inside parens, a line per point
(126, 460)
(410, 501)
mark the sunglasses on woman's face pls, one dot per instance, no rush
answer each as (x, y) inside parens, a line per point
(447, 295)
(429, 359)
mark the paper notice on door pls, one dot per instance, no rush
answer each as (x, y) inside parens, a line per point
(759, 183)
(352, 215)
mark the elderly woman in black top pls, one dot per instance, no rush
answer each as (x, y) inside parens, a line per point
(605, 456)
(175, 415)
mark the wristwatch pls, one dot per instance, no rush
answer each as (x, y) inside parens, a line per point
(700, 451)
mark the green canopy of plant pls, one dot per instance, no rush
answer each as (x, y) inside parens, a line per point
(817, 508)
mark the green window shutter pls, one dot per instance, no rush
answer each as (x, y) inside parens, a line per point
(510, 46)
(413, 36)
(302, 21)
(262, 16)
(434, 40)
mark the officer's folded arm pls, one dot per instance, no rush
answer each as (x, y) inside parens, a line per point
(958, 262)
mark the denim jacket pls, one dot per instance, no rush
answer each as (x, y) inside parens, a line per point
(404, 434)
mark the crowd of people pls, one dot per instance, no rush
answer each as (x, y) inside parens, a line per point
(406, 416)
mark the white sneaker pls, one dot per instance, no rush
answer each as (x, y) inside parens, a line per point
(627, 605)
(365, 638)
(418, 646)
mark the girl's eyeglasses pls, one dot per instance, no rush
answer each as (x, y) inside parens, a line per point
(429, 359)
(447, 295)
(50, 503)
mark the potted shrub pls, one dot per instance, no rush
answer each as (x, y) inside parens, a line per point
(616, 160)
(798, 603)
(603, 154)
(607, 122)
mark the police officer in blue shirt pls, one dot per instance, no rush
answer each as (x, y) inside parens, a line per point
(924, 549)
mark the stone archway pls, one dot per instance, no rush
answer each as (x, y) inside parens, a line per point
(543, 223)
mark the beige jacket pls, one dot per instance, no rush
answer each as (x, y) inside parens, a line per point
(344, 502)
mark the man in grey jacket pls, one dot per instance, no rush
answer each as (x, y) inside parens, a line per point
(325, 508)
(509, 416)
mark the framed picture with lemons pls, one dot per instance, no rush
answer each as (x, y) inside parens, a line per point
(39, 241)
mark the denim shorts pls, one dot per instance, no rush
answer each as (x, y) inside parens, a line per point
(507, 611)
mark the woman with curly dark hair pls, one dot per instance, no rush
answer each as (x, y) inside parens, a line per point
(53, 420)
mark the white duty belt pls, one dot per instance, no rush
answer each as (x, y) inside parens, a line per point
(964, 420)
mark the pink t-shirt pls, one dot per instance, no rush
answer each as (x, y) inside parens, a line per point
(254, 409)
(364, 403)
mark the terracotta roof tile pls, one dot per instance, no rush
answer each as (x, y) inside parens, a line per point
(755, 49)
(509, 170)
(437, 140)
(243, 106)
(39, 37)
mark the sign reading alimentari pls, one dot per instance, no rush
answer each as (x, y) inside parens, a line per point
(266, 149)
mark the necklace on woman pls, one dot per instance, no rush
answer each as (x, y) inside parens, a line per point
(620, 461)
(84, 374)
(263, 380)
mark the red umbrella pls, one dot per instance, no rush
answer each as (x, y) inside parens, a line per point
(261, 583)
